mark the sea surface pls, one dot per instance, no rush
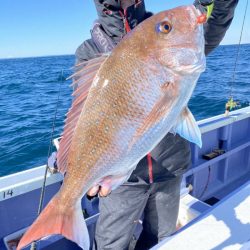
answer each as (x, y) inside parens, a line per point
(31, 88)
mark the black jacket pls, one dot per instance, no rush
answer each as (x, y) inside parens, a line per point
(172, 156)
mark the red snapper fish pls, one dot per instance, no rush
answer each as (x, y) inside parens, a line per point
(124, 105)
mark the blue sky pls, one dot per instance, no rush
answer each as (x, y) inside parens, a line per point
(56, 27)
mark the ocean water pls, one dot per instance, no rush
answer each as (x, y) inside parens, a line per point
(29, 90)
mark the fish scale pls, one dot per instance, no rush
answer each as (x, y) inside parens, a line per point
(132, 112)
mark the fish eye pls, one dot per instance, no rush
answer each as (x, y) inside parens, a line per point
(164, 27)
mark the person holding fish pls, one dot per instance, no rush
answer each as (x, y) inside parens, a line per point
(156, 191)
(126, 134)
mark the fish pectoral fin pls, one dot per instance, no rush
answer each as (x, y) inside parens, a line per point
(54, 219)
(83, 78)
(112, 182)
(187, 128)
(159, 111)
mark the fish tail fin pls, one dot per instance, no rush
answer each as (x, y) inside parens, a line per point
(55, 219)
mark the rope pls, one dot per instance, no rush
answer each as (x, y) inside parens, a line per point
(34, 244)
(207, 183)
(238, 51)
(150, 168)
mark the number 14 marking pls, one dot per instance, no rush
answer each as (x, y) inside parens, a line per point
(7, 193)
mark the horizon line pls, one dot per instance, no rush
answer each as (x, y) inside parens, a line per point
(26, 57)
(39, 56)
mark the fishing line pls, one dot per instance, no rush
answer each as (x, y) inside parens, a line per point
(10, 153)
(237, 55)
(207, 183)
(34, 243)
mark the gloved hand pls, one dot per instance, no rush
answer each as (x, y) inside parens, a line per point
(52, 162)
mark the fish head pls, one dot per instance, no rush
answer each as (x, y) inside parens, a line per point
(175, 39)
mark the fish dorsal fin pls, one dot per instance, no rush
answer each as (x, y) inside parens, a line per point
(82, 81)
(187, 128)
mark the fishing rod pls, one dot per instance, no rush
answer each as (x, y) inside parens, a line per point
(34, 243)
(231, 103)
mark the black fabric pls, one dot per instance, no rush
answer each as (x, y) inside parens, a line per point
(86, 51)
(110, 17)
(170, 158)
(219, 22)
(102, 41)
(126, 3)
(122, 210)
(136, 14)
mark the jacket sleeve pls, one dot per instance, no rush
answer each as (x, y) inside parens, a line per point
(217, 25)
(111, 21)
(86, 51)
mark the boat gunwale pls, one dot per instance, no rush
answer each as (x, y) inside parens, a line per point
(31, 179)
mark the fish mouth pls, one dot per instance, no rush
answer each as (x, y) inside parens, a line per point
(192, 69)
(197, 13)
(196, 68)
(185, 60)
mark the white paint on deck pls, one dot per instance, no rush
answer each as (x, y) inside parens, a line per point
(226, 226)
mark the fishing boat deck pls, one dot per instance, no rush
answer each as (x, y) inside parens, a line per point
(210, 181)
(224, 226)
